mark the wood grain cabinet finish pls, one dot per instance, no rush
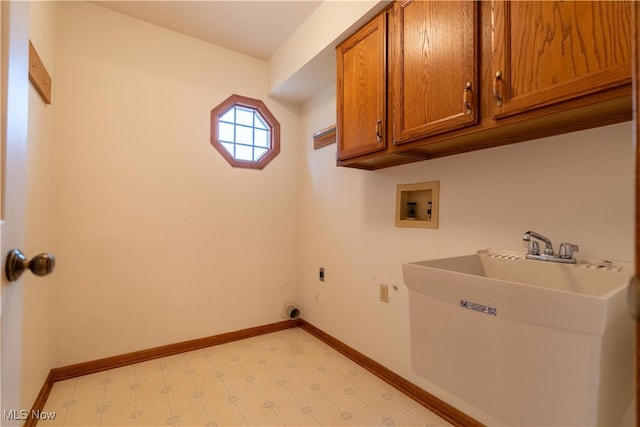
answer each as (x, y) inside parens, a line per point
(433, 67)
(547, 52)
(362, 90)
(470, 75)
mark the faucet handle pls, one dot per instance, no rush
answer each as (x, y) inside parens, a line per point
(534, 248)
(567, 250)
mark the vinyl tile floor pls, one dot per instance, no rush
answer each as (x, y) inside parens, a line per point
(285, 378)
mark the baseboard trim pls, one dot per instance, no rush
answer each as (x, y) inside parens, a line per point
(85, 368)
(426, 399)
(40, 401)
(437, 406)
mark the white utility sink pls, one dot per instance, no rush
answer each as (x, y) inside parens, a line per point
(528, 342)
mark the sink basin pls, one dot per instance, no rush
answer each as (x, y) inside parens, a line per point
(511, 336)
(570, 296)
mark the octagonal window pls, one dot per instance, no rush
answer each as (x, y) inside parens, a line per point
(244, 132)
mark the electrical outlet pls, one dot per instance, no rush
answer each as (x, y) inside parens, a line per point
(384, 293)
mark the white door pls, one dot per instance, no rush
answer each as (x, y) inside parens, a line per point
(14, 114)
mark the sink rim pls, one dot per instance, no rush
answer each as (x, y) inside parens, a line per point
(521, 302)
(618, 269)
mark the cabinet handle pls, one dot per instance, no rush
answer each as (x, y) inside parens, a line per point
(467, 99)
(378, 130)
(496, 89)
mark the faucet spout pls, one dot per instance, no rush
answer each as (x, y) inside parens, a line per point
(548, 250)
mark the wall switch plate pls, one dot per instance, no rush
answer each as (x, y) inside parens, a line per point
(321, 274)
(384, 293)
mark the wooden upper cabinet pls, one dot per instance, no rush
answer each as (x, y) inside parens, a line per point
(362, 89)
(468, 75)
(548, 52)
(433, 68)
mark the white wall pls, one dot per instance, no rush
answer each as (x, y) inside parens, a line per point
(576, 187)
(159, 240)
(39, 292)
(306, 61)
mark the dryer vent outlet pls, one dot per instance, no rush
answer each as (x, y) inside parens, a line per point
(291, 312)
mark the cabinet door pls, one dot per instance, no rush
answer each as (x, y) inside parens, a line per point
(361, 86)
(547, 52)
(434, 57)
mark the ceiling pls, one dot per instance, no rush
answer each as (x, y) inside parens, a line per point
(254, 28)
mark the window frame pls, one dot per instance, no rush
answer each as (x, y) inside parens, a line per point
(258, 107)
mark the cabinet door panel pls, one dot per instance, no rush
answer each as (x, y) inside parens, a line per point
(552, 51)
(434, 67)
(361, 85)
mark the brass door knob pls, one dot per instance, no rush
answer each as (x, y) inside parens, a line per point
(40, 265)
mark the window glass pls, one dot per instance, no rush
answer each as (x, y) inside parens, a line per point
(244, 116)
(261, 138)
(225, 132)
(244, 152)
(244, 135)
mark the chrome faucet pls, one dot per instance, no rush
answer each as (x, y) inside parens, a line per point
(534, 249)
(566, 249)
